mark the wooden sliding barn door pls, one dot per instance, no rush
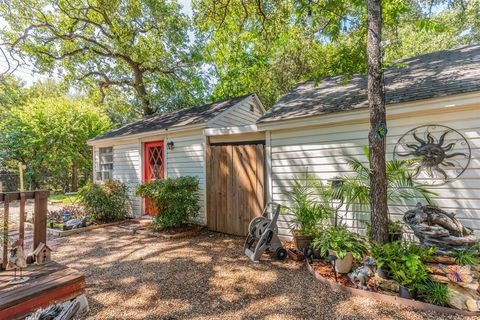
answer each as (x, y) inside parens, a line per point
(235, 186)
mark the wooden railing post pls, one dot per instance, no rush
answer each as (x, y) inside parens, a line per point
(40, 218)
(21, 221)
(6, 214)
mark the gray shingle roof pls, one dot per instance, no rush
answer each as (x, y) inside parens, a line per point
(430, 75)
(174, 119)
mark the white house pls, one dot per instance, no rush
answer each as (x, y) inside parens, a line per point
(168, 145)
(244, 156)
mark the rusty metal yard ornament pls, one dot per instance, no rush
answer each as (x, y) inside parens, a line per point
(440, 154)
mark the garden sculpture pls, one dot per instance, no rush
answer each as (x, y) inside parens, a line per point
(16, 259)
(75, 223)
(440, 152)
(262, 235)
(360, 276)
(436, 228)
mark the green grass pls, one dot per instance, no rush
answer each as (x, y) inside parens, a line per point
(65, 199)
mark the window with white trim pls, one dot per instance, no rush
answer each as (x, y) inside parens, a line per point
(105, 164)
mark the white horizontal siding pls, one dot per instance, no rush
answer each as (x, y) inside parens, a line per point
(322, 150)
(127, 169)
(188, 159)
(244, 113)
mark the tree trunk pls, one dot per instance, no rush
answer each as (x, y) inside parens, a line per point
(74, 177)
(377, 135)
(142, 91)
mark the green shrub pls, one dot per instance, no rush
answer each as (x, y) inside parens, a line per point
(105, 202)
(469, 256)
(405, 261)
(436, 293)
(341, 241)
(175, 199)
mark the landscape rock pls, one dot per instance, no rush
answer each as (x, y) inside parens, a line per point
(463, 298)
(386, 284)
(435, 268)
(438, 278)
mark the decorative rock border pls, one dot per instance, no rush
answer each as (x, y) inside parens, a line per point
(423, 306)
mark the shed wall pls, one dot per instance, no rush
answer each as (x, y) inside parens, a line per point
(188, 159)
(240, 115)
(321, 151)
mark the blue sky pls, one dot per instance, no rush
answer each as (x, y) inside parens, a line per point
(25, 72)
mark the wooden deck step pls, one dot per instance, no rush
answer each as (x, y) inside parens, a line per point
(49, 283)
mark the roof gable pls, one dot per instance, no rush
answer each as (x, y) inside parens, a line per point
(427, 76)
(183, 118)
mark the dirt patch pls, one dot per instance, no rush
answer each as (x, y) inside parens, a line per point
(325, 269)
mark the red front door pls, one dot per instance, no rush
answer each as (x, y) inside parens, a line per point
(153, 168)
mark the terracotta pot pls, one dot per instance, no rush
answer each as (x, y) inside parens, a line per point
(295, 255)
(342, 265)
(301, 241)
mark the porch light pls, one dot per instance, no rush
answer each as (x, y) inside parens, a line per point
(170, 145)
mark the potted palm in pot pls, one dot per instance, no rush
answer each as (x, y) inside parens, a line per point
(345, 245)
(309, 206)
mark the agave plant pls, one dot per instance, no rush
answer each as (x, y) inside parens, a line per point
(355, 189)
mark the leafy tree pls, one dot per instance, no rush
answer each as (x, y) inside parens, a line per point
(49, 135)
(11, 93)
(140, 46)
(269, 46)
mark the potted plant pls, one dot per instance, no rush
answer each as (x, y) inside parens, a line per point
(395, 230)
(345, 245)
(309, 206)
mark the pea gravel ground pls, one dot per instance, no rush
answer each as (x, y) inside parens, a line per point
(137, 276)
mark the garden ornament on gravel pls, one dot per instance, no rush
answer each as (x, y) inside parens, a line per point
(360, 276)
(263, 235)
(16, 259)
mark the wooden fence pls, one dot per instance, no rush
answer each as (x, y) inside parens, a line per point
(39, 217)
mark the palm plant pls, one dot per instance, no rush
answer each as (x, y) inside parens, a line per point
(309, 203)
(355, 189)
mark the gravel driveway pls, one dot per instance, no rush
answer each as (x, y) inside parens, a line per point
(135, 276)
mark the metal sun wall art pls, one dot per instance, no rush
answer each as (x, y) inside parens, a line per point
(440, 154)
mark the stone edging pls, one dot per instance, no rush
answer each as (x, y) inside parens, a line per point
(423, 306)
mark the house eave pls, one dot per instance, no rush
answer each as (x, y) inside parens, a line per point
(94, 142)
(450, 101)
